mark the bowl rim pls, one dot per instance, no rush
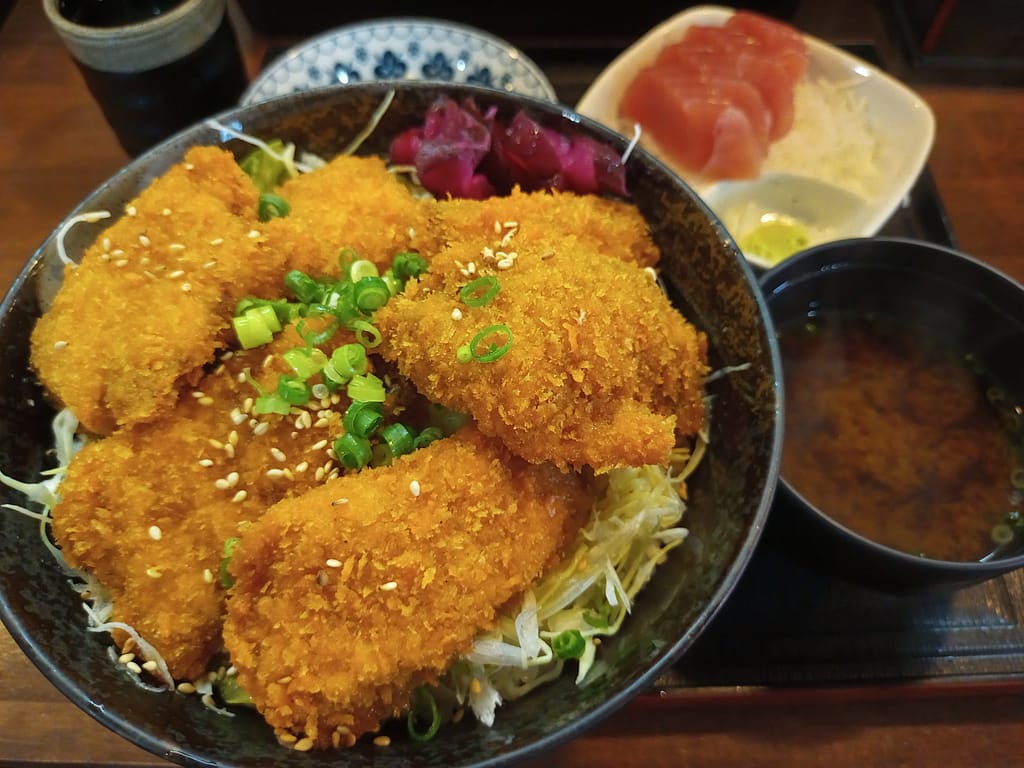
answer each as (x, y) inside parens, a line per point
(795, 268)
(203, 133)
(296, 51)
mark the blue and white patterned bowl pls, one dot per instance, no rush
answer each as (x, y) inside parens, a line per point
(401, 49)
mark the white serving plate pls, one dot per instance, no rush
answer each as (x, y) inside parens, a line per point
(902, 128)
(401, 49)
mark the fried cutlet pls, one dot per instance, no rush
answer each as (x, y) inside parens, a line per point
(143, 311)
(602, 370)
(487, 231)
(350, 595)
(352, 204)
(147, 510)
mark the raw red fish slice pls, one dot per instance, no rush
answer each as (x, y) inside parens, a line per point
(686, 116)
(778, 39)
(734, 153)
(745, 63)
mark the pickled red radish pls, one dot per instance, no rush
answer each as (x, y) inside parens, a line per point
(714, 100)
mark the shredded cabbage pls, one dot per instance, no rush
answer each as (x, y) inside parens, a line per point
(630, 532)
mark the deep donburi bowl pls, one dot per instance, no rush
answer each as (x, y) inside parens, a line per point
(729, 495)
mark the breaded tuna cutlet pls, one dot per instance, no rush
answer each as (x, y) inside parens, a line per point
(601, 370)
(543, 222)
(352, 204)
(147, 510)
(354, 593)
(145, 309)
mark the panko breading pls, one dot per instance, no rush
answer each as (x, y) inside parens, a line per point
(147, 509)
(349, 596)
(351, 203)
(149, 303)
(602, 370)
(543, 222)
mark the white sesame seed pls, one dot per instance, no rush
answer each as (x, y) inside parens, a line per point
(339, 502)
(232, 478)
(121, 263)
(237, 417)
(60, 344)
(456, 314)
(505, 263)
(176, 247)
(497, 227)
(106, 243)
(215, 443)
(124, 658)
(319, 474)
(155, 533)
(301, 467)
(511, 224)
(253, 233)
(117, 252)
(275, 473)
(207, 575)
(144, 241)
(233, 437)
(278, 454)
(229, 450)
(149, 274)
(166, 211)
(414, 488)
(189, 167)
(186, 287)
(197, 394)
(651, 272)
(261, 428)
(332, 563)
(389, 586)
(133, 667)
(153, 573)
(209, 264)
(239, 497)
(131, 210)
(318, 446)
(217, 241)
(150, 666)
(221, 484)
(206, 462)
(186, 688)
(176, 274)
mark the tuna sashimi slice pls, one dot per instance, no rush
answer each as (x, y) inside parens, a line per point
(685, 117)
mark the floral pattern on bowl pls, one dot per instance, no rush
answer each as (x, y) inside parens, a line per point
(401, 49)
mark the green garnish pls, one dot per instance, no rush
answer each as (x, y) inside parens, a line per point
(232, 692)
(272, 206)
(493, 350)
(366, 387)
(423, 707)
(293, 390)
(568, 644)
(265, 170)
(481, 291)
(226, 580)
(407, 265)
(362, 418)
(353, 452)
(370, 293)
(399, 439)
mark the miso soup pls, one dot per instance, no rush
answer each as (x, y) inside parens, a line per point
(901, 440)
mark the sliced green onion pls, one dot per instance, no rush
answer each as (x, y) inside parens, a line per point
(366, 387)
(370, 294)
(267, 314)
(232, 692)
(446, 419)
(599, 619)
(303, 287)
(292, 390)
(353, 451)
(427, 436)
(568, 644)
(272, 206)
(366, 333)
(252, 331)
(272, 403)
(481, 291)
(265, 170)
(227, 553)
(464, 354)
(395, 286)
(492, 351)
(407, 265)
(1001, 534)
(303, 362)
(362, 418)
(423, 706)
(350, 360)
(361, 268)
(399, 439)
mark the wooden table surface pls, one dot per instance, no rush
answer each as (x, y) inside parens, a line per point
(55, 148)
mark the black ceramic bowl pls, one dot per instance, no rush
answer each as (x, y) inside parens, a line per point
(729, 495)
(949, 296)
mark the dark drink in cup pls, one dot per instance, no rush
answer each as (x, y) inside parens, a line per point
(153, 67)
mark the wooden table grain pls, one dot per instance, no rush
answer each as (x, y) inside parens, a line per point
(55, 148)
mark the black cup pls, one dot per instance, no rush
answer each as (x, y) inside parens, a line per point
(154, 76)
